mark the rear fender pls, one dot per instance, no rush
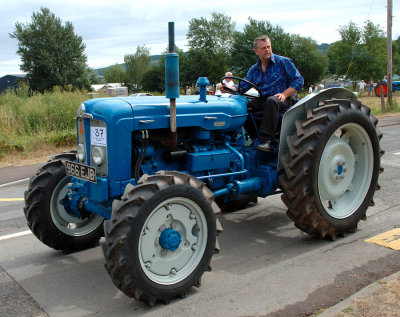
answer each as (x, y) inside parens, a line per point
(299, 112)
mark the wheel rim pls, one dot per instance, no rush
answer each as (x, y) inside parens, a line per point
(65, 222)
(162, 265)
(345, 171)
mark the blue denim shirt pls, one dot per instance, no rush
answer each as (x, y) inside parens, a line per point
(279, 75)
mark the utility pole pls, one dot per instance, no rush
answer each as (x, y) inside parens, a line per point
(389, 53)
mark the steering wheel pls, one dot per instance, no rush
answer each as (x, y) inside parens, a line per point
(240, 89)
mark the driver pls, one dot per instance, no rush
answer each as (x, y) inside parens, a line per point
(278, 79)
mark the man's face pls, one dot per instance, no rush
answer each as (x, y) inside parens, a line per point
(264, 50)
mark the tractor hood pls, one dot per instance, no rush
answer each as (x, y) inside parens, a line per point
(109, 110)
(217, 113)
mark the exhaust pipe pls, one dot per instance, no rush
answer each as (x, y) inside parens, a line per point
(172, 83)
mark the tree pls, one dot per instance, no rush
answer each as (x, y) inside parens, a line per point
(153, 80)
(311, 64)
(136, 66)
(360, 54)
(93, 76)
(209, 44)
(303, 51)
(184, 72)
(115, 74)
(51, 53)
(242, 52)
(374, 42)
(396, 56)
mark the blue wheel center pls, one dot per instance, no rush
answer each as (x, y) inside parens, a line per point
(170, 239)
(340, 169)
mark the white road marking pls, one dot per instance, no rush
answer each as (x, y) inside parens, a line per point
(15, 183)
(15, 235)
(398, 153)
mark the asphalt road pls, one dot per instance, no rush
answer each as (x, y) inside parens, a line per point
(266, 266)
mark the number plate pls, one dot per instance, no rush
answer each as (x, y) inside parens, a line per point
(80, 171)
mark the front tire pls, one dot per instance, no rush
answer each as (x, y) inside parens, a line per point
(332, 168)
(47, 217)
(161, 237)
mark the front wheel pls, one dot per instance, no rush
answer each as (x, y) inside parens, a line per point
(161, 237)
(46, 215)
(331, 170)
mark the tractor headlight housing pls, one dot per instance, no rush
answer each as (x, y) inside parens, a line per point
(81, 152)
(98, 155)
(81, 111)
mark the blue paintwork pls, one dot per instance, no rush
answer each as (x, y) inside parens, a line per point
(190, 112)
(170, 239)
(395, 85)
(211, 140)
(203, 82)
(172, 75)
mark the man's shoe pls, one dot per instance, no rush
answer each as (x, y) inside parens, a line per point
(266, 147)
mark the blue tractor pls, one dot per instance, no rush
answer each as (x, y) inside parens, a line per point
(151, 175)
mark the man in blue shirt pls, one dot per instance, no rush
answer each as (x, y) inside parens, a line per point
(278, 80)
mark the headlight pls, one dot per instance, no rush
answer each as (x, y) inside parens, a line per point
(81, 152)
(98, 155)
(81, 111)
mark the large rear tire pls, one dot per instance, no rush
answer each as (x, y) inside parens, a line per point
(161, 236)
(331, 170)
(47, 218)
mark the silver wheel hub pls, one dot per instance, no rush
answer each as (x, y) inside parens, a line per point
(65, 222)
(345, 170)
(338, 169)
(183, 221)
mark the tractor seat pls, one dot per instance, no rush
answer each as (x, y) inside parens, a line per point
(254, 118)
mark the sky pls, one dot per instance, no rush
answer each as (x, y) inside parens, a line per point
(112, 29)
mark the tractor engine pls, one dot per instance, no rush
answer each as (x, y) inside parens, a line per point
(124, 138)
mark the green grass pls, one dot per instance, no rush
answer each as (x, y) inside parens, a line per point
(27, 123)
(348, 310)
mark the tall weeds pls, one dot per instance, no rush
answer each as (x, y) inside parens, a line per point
(27, 123)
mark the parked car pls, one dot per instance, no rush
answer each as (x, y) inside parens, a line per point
(141, 94)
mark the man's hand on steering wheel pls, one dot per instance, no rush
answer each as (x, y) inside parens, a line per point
(226, 90)
(238, 91)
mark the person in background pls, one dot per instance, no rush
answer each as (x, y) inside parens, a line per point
(384, 79)
(310, 90)
(278, 80)
(361, 86)
(188, 91)
(228, 82)
(218, 91)
(370, 86)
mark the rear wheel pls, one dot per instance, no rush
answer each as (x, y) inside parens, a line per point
(332, 168)
(46, 215)
(161, 237)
